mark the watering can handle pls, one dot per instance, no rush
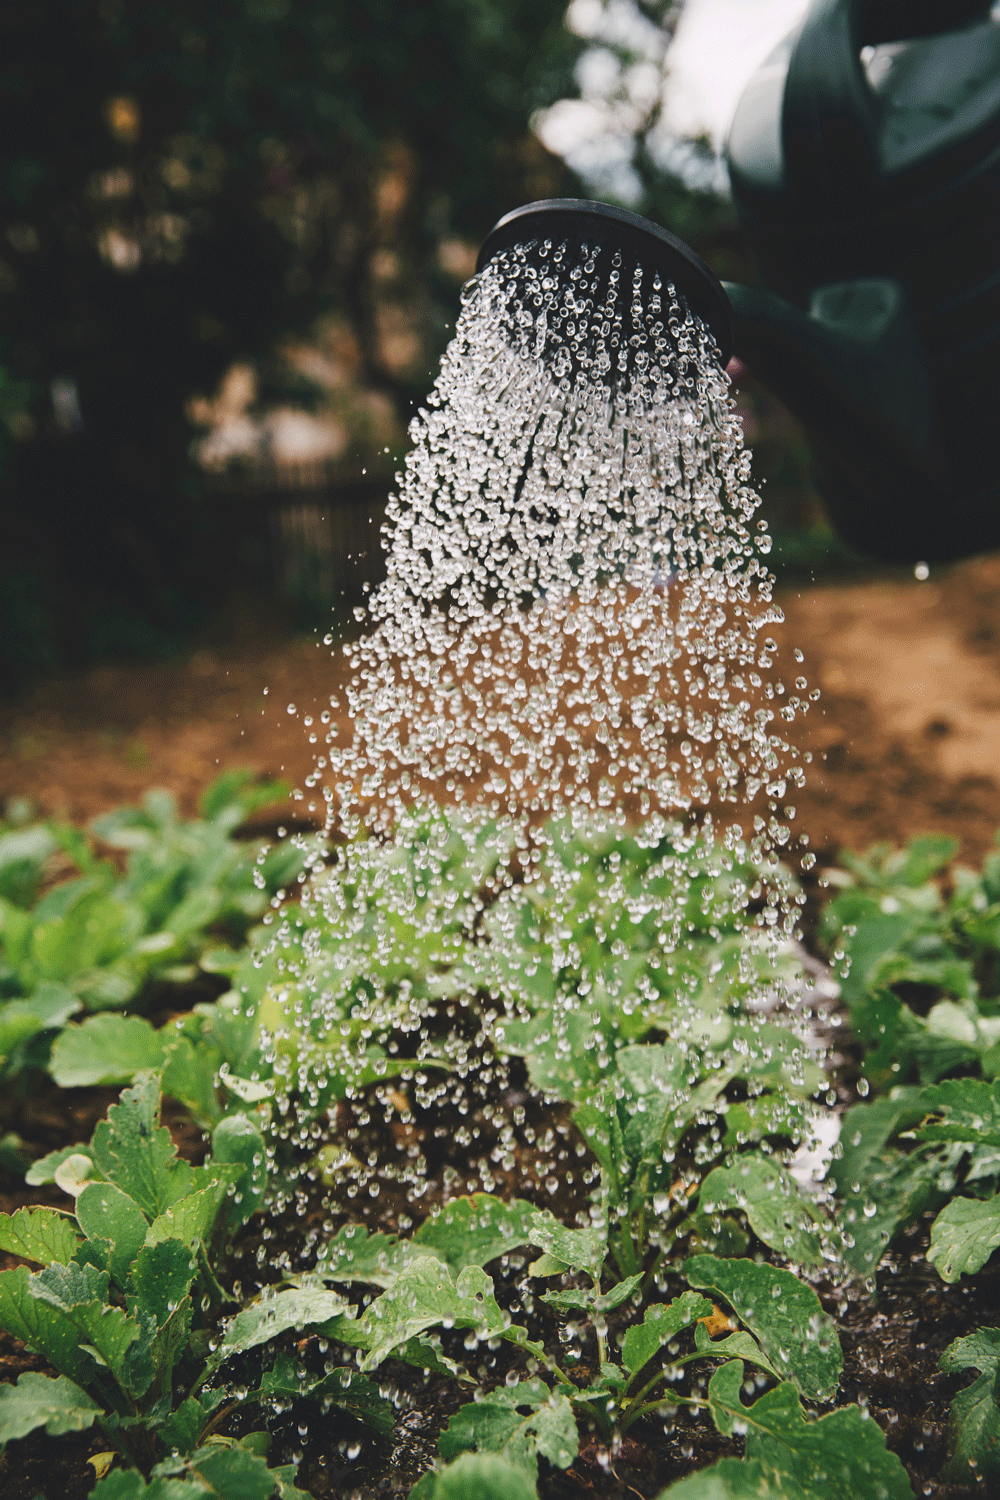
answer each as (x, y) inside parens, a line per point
(831, 114)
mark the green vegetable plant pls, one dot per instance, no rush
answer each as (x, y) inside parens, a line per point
(918, 940)
(919, 1149)
(97, 942)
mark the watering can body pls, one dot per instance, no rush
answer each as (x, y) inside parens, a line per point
(864, 158)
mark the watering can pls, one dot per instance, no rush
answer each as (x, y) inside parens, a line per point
(864, 157)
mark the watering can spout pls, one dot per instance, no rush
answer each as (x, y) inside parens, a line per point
(853, 371)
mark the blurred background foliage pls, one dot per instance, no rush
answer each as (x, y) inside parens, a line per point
(232, 239)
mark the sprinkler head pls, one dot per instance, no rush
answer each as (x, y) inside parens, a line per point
(577, 221)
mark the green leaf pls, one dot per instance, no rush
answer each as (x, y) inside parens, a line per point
(161, 1278)
(840, 1456)
(236, 1141)
(267, 1319)
(39, 1234)
(663, 1321)
(587, 1297)
(189, 1075)
(105, 1212)
(191, 1219)
(44, 1169)
(964, 1236)
(182, 1429)
(42, 1326)
(577, 1249)
(974, 1418)
(39, 1401)
(739, 1345)
(495, 1425)
(424, 1295)
(785, 1316)
(473, 1231)
(478, 1476)
(776, 1210)
(344, 1388)
(233, 1473)
(104, 1049)
(128, 1484)
(970, 1110)
(867, 1128)
(738, 1479)
(134, 1151)
(80, 1293)
(355, 1255)
(899, 1188)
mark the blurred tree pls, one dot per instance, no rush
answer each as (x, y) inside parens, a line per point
(181, 185)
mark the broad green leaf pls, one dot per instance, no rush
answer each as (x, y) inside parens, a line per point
(495, 1425)
(355, 1255)
(479, 1476)
(964, 1236)
(785, 1316)
(189, 1076)
(104, 1049)
(80, 1293)
(182, 1429)
(39, 1401)
(579, 1249)
(840, 1456)
(236, 1141)
(597, 1301)
(42, 1327)
(424, 1295)
(344, 1388)
(974, 1418)
(75, 1172)
(105, 1212)
(738, 1479)
(970, 1109)
(776, 1210)
(898, 1188)
(168, 1343)
(161, 1278)
(473, 1231)
(739, 1345)
(663, 1321)
(267, 1319)
(128, 1484)
(39, 1234)
(44, 1169)
(233, 1473)
(867, 1128)
(133, 1149)
(190, 1219)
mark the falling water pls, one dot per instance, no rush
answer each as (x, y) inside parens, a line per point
(574, 634)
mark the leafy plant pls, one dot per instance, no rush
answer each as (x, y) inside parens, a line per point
(98, 941)
(915, 1150)
(921, 960)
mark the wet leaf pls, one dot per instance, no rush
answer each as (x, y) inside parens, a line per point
(39, 1234)
(104, 1049)
(739, 1345)
(840, 1456)
(974, 1418)
(43, 1326)
(236, 1141)
(105, 1212)
(133, 1150)
(662, 1322)
(496, 1425)
(161, 1278)
(476, 1476)
(44, 1169)
(969, 1111)
(355, 1255)
(784, 1315)
(591, 1299)
(265, 1320)
(473, 1231)
(346, 1389)
(775, 1208)
(74, 1173)
(80, 1294)
(738, 1479)
(964, 1236)
(39, 1401)
(425, 1296)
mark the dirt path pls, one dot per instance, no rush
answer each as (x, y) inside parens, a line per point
(906, 736)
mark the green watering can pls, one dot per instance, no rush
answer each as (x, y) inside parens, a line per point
(864, 158)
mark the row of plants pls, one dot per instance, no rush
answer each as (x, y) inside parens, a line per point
(689, 1281)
